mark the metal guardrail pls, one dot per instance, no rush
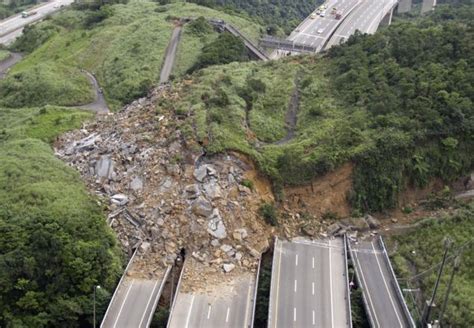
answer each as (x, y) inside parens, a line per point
(272, 290)
(401, 299)
(155, 304)
(359, 282)
(120, 282)
(348, 293)
(176, 293)
(273, 42)
(255, 292)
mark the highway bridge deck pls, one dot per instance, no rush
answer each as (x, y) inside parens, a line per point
(315, 32)
(366, 18)
(383, 300)
(134, 302)
(309, 285)
(218, 305)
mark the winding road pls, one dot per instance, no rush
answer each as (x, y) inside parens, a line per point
(99, 105)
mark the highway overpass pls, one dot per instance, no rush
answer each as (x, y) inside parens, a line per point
(383, 299)
(366, 18)
(220, 303)
(135, 299)
(309, 286)
(12, 27)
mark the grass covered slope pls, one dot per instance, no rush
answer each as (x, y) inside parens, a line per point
(422, 249)
(123, 45)
(399, 104)
(54, 241)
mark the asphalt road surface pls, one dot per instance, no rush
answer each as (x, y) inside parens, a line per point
(377, 285)
(309, 285)
(9, 62)
(170, 55)
(227, 305)
(10, 28)
(315, 32)
(99, 105)
(134, 303)
(365, 18)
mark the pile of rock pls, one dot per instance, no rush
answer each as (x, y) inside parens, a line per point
(160, 193)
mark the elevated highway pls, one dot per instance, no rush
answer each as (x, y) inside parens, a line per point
(228, 302)
(383, 299)
(366, 18)
(135, 299)
(11, 27)
(309, 286)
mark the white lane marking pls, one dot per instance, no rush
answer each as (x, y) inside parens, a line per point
(367, 289)
(209, 312)
(278, 285)
(296, 260)
(294, 314)
(314, 318)
(296, 284)
(189, 312)
(124, 300)
(227, 315)
(312, 285)
(386, 286)
(148, 304)
(248, 305)
(313, 262)
(330, 285)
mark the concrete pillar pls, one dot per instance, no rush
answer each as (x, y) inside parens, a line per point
(427, 6)
(404, 6)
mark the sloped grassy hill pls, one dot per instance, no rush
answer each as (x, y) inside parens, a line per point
(125, 51)
(398, 104)
(55, 244)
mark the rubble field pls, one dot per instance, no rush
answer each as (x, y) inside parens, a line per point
(166, 197)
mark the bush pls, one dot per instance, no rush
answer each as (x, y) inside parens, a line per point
(269, 214)
(247, 183)
(225, 49)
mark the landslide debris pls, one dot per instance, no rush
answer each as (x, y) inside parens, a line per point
(163, 195)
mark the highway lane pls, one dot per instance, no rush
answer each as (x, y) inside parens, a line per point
(134, 303)
(315, 32)
(309, 285)
(377, 285)
(225, 305)
(365, 18)
(14, 24)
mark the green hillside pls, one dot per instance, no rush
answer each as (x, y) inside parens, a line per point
(123, 45)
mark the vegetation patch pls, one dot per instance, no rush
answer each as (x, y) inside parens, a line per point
(55, 243)
(422, 249)
(124, 48)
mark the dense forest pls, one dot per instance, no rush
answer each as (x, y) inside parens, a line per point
(286, 14)
(417, 84)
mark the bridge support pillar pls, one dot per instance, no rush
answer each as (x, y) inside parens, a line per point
(387, 20)
(404, 6)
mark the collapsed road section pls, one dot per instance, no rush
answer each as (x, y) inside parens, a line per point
(224, 301)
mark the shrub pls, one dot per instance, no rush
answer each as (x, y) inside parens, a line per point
(269, 214)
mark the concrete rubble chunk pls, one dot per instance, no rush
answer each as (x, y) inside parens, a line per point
(200, 173)
(238, 256)
(213, 190)
(215, 243)
(104, 167)
(333, 228)
(211, 170)
(215, 226)
(87, 143)
(372, 222)
(119, 199)
(192, 191)
(228, 267)
(202, 207)
(145, 246)
(226, 248)
(136, 184)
